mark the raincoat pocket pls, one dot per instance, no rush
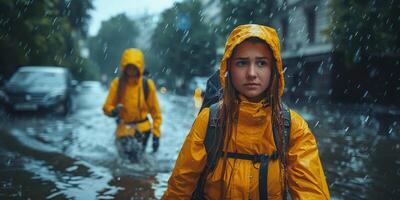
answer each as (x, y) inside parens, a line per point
(144, 126)
(125, 130)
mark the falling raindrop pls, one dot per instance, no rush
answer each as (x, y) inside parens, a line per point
(330, 66)
(320, 69)
(316, 124)
(365, 94)
(366, 119)
(357, 56)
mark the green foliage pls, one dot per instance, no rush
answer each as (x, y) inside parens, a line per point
(42, 33)
(235, 12)
(364, 28)
(77, 14)
(115, 35)
(183, 44)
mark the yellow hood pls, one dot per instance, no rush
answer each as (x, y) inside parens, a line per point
(132, 56)
(241, 33)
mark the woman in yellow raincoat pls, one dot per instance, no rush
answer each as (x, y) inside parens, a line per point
(252, 79)
(197, 98)
(127, 101)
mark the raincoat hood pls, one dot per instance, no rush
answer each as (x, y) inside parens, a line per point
(243, 32)
(132, 56)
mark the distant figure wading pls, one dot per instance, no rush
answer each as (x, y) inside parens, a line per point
(131, 98)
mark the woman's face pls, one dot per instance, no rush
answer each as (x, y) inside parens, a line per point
(132, 71)
(250, 68)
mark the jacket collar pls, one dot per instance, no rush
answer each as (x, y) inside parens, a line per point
(253, 113)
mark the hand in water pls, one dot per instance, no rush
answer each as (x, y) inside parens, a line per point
(115, 112)
(156, 143)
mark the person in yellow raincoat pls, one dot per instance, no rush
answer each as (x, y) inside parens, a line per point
(252, 79)
(197, 98)
(127, 101)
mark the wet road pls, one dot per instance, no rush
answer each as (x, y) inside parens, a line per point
(74, 157)
(45, 157)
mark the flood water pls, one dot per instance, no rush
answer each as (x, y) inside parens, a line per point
(74, 157)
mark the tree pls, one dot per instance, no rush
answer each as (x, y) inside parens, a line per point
(77, 14)
(40, 33)
(183, 44)
(115, 35)
(361, 29)
(365, 35)
(234, 13)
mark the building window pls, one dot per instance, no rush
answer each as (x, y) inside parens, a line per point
(310, 17)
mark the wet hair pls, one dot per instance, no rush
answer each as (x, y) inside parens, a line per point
(228, 115)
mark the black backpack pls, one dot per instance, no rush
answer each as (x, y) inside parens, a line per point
(145, 88)
(213, 91)
(211, 97)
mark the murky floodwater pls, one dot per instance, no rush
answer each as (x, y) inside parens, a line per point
(74, 157)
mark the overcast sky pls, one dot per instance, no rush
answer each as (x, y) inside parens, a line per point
(104, 9)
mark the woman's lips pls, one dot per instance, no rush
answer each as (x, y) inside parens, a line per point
(251, 85)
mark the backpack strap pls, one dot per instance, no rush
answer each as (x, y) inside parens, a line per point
(286, 134)
(212, 134)
(263, 159)
(211, 145)
(286, 128)
(145, 88)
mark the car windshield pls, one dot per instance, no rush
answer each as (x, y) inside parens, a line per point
(38, 78)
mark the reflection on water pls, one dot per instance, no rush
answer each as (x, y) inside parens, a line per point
(43, 157)
(361, 160)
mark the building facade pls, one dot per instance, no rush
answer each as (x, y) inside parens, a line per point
(306, 50)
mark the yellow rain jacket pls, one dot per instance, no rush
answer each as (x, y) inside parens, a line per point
(136, 107)
(252, 134)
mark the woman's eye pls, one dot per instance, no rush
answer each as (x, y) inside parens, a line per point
(261, 63)
(241, 63)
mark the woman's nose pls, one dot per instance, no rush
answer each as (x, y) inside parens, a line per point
(251, 71)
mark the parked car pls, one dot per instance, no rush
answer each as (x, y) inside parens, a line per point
(34, 88)
(90, 87)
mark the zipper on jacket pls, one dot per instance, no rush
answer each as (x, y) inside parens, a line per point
(251, 179)
(251, 182)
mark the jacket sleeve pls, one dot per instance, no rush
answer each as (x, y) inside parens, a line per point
(154, 108)
(110, 103)
(190, 163)
(306, 177)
